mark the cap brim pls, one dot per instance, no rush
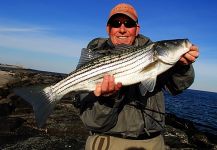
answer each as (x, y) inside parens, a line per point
(123, 13)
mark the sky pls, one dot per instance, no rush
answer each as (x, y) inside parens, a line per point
(49, 34)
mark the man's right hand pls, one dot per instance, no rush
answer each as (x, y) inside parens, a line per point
(107, 86)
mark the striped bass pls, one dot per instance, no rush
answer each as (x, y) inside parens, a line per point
(130, 66)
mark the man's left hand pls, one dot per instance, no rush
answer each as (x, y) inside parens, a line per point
(190, 56)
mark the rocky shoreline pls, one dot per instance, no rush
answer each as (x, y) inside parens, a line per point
(64, 129)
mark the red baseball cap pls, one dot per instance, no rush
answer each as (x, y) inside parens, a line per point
(125, 9)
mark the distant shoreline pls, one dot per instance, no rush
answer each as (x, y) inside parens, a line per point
(6, 67)
(10, 66)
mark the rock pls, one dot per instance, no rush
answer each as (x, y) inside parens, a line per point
(6, 77)
(4, 91)
(10, 124)
(181, 133)
(5, 100)
(6, 109)
(176, 138)
(49, 143)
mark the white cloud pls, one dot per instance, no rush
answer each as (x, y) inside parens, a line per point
(17, 29)
(38, 40)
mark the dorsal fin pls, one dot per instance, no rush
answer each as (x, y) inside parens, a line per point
(86, 56)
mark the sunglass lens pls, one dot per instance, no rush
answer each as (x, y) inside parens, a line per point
(129, 24)
(115, 24)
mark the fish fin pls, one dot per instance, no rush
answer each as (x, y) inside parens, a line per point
(86, 56)
(41, 100)
(147, 85)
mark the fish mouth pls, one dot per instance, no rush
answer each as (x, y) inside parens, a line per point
(187, 44)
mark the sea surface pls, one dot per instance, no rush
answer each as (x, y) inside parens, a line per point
(199, 107)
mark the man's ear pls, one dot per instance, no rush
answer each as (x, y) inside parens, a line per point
(137, 29)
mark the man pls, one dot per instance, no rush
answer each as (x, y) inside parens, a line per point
(120, 117)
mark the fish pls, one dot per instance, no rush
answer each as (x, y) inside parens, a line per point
(130, 66)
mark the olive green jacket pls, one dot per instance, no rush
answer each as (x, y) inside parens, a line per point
(128, 112)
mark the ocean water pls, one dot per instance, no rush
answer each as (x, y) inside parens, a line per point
(197, 106)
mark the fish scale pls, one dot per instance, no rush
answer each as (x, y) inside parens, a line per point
(109, 67)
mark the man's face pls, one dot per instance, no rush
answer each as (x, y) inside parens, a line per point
(122, 30)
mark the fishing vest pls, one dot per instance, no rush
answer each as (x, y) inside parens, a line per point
(144, 113)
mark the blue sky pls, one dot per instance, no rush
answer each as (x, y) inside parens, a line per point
(49, 34)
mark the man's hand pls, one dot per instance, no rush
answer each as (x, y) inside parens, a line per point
(190, 56)
(107, 86)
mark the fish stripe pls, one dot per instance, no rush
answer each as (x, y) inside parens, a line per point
(104, 69)
(103, 62)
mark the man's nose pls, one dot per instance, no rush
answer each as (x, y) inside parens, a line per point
(122, 28)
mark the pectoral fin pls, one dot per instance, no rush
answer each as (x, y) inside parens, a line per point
(149, 82)
(147, 85)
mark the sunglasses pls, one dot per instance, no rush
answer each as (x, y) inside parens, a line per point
(118, 23)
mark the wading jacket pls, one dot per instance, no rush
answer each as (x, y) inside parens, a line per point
(128, 112)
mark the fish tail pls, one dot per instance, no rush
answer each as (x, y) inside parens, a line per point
(42, 100)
